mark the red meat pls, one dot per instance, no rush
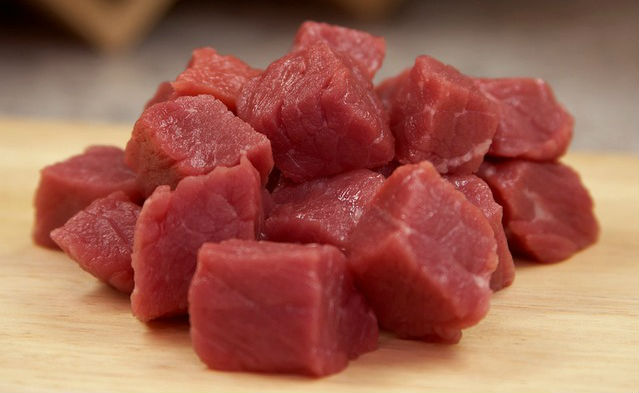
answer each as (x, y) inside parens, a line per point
(479, 194)
(423, 256)
(548, 213)
(209, 72)
(100, 239)
(532, 124)
(262, 306)
(164, 92)
(69, 186)
(191, 136)
(320, 113)
(172, 226)
(366, 49)
(387, 169)
(323, 210)
(438, 114)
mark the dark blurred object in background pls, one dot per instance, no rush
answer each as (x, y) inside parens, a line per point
(114, 25)
(109, 25)
(587, 51)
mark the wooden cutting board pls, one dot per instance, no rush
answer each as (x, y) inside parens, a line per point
(571, 326)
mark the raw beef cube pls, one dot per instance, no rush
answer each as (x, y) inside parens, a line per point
(100, 239)
(322, 210)
(209, 72)
(366, 49)
(479, 194)
(190, 136)
(548, 213)
(69, 186)
(164, 92)
(532, 124)
(277, 307)
(423, 255)
(438, 114)
(172, 226)
(320, 113)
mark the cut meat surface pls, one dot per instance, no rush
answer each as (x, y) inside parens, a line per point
(190, 136)
(423, 255)
(277, 307)
(210, 73)
(323, 210)
(164, 92)
(69, 186)
(532, 124)
(438, 114)
(172, 226)
(366, 49)
(320, 113)
(479, 194)
(548, 213)
(100, 239)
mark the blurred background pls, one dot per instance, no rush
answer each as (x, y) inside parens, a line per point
(100, 60)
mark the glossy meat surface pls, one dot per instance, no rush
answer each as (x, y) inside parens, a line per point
(69, 186)
(548, 213)
(277, 307)
(423, 255)
(438, 114)
(479, 194)
(191, 136)
(532, 124)
(323, 210)
(366, 49)
(100, 239)
(320, 113)
(218, 75)
(173, 225)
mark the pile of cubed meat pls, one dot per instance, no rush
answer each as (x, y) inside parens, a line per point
(291, 212)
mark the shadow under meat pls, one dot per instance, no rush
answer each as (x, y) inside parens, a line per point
(107, 297)
(172, 330)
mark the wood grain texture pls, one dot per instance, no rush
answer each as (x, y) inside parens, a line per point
(572, 326)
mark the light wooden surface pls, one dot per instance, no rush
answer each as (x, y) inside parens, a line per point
(572, 326)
